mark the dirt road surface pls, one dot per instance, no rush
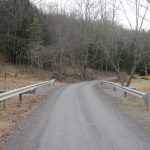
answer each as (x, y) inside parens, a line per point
(78, 117)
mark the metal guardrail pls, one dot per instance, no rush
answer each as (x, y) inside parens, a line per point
(24, 90)
(145, 96)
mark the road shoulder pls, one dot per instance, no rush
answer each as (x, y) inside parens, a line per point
(18, 118)
(125, 107)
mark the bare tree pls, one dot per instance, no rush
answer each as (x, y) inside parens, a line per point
(87, 11)
(139, 21)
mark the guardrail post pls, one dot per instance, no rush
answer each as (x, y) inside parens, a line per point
(50, 84)
(114, 89)
(125, 94)
(34, 91)
(20, 100)
(146, 98)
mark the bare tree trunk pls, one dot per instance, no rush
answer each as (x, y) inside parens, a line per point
(83, 72)
(117, 70)
(131, 75)
(146, 68)
(61, 63)
(106, 65)
(120, 78)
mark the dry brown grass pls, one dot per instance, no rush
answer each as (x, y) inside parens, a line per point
(141, 84)
(132, 104)
(132, 101)
(11, 116)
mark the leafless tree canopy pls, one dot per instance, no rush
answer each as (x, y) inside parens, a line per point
(85, 36)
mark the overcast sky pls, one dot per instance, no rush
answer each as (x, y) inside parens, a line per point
(129, 7)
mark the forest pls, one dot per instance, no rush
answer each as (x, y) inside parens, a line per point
(87, 35)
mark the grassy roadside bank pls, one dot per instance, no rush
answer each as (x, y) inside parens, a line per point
(132, 104)
(12, 77)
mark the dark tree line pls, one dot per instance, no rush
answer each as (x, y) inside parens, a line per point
(82, 38)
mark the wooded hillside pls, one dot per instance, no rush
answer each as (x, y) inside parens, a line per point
(88, 36)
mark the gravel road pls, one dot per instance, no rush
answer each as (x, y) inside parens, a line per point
(79, 117)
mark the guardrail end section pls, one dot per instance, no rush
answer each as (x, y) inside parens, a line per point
(147, 99)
